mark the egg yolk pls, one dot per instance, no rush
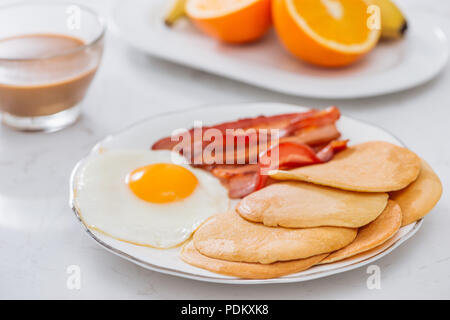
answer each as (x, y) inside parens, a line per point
(162, 182)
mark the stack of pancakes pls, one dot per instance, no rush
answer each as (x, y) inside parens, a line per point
(318, 214)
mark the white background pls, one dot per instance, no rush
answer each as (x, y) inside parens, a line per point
(40, 237)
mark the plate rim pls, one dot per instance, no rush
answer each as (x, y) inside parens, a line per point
(212, 279)
(436, 29)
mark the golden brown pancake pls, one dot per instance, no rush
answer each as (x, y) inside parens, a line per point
(367, 167)
(192, 256)
(304, 205)
(229, 237)
(419, 197)
(372, 235)
(368, 254)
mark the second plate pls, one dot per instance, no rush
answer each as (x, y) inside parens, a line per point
(391, 67)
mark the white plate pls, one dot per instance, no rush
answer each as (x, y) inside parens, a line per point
(143, 134)
(389, 68)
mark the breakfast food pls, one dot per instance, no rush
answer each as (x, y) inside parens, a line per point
(304, 205)
(321, 207)
(191, 255)
(322, 201)
(325, 33)
(232, 21)
(419, 197)
(304, 138)
(371, 235)
(368, 167)
(144, 198)
(229, 237)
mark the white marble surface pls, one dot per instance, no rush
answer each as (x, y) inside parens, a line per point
(40, 237)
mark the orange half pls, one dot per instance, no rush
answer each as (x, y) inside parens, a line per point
(232, 21)
(328, 33)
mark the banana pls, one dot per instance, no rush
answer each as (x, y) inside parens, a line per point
(393, 23)
(175, 12)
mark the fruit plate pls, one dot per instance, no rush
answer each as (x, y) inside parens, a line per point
(144, 133)
(391, 67)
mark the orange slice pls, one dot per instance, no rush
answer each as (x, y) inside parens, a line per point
(232, 21)
(328, 33)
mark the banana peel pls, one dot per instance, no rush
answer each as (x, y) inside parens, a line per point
(175, 12)
(393, 23)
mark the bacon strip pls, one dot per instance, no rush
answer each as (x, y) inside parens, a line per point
(288, 124)
(305, 138)
(328, 152)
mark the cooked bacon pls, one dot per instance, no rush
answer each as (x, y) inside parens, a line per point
(328, 152)
(240, 180)
(288, 124)
(314, 136)
(311, 136)
(241, 185)
(304, 138)
(262, 122)
(290, 154)
(228, 171)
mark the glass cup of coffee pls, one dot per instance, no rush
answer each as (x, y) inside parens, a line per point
(49, 54)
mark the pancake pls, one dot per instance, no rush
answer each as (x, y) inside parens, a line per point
(367, 167)
(192, 256)
(304, 205)
(372, 235)
(419, 197)
(368, 253)
(228, 236)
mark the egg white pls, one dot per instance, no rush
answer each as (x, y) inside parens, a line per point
(106, 203)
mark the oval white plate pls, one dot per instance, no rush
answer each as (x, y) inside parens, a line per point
(143, 134)
(391, 67)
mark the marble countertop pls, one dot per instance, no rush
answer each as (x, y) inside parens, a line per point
(40, 237)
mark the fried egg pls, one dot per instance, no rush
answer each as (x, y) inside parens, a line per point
(149, 198)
